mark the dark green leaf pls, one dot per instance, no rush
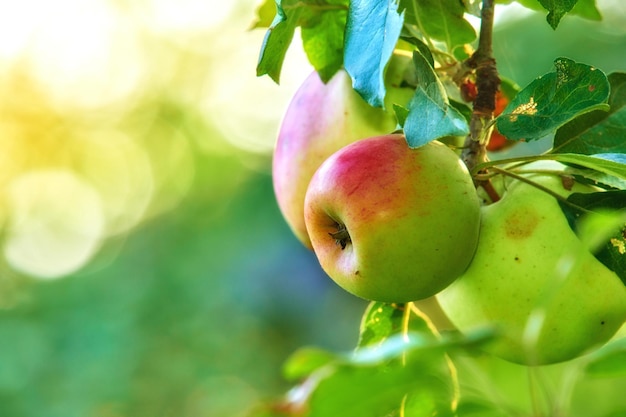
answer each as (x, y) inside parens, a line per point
(557, 9)
(372, 31)
(603, 229)
(583, 8)
(430, 114)
(609, 360)
(597, 131)
(439, 19)
(552, 100)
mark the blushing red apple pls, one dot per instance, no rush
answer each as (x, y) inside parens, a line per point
(390, 223)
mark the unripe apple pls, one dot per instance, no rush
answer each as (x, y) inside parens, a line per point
(321, 119)
(535, 281)
(390, 223)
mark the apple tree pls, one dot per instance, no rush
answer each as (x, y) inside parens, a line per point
(495, 272)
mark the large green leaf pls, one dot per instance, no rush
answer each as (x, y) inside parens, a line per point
(372, 31)
(375, 388)
(322, 24)
(554, 99)
(439, 19)
(597, 131)
(430, 115)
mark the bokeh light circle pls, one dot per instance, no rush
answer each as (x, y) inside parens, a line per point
(55, 223)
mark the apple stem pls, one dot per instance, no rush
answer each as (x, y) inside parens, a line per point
(487, 84)
(341, 236)
(490, 190)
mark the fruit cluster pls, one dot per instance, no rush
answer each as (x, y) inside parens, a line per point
(397, 224)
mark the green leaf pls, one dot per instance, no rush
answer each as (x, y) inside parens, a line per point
(377, 379)
(597, 131)
(401, 113)
(380, 321)
(440, 19)
(372, 31)
(322, 24)
(430, 114)
(265, 13)
(305, 361)
(383, 320)
(379, 391)
(463, 109)
(583, 8)
(609, 360)
(602, 230)
(322, 38)
(376, 387)
(552, 100)
(557, 9)
(276, 42)
(419, 44)
(607, 164)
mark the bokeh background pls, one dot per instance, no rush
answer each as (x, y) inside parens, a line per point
(145, 269)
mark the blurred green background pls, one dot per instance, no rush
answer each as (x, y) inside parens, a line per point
(145, 268)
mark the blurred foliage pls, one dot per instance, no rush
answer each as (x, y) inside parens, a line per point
(195, 291)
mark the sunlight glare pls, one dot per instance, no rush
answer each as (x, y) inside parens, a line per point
(85, 54)
(55, 223)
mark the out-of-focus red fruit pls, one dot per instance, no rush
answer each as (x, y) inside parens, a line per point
(468, 91)
(498, 142)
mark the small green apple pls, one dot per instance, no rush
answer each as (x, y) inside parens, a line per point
(390, 223)
(321, 119)
(535, 281)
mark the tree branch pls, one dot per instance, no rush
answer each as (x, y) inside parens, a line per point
(487, 83)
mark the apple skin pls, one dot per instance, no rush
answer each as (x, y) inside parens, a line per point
(321, 119)
(412, 216)
(530, 265)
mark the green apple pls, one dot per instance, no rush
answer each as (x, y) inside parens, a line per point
(321, 119)
(535, 281)
(390, 223)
